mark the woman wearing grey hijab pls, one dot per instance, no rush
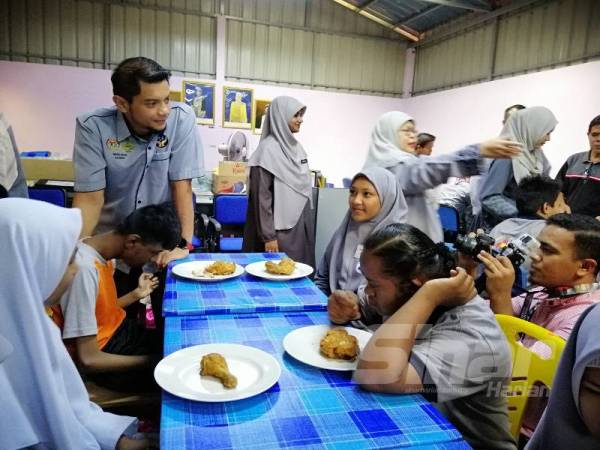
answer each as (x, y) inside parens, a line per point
(531, 127)
(280, 216)
(375, 201)
(571, 419)
(393, 144)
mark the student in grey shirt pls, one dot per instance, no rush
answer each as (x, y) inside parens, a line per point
(437, 338)
(139, 152)
(537, 198)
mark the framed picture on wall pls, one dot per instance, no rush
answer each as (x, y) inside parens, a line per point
(261, 107)
(175, 96)
(237, 107)
(201, 97)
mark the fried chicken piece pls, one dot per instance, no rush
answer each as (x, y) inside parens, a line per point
(284, 267)
(338, 344)
(214, 365)
(220, 268)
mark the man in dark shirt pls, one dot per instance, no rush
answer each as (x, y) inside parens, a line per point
(580, 175)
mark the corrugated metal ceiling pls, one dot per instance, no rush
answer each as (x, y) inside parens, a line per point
(421, 16)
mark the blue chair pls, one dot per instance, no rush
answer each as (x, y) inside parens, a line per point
(450, 222)
(346, 182)
(229, 218)
(56, 196)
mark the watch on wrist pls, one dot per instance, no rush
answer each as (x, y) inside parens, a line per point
(184, 244)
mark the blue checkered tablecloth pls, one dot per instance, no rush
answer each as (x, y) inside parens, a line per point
(307, 408)
(244, 294)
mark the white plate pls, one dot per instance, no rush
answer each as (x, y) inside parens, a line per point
(179, 373)
(258, 269)
(303, 344)
(187, 269)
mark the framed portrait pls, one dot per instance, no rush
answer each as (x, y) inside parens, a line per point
(261, 108)
(201, 98)
(237, 107)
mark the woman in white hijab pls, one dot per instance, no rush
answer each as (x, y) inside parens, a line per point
(392, 146)
(531, 127)
(44, 402)
(280, 216)
(375, 201)
(572, 417)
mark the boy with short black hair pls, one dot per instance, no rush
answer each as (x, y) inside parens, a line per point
(106, 341)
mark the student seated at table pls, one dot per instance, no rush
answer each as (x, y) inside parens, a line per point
(114, 350)
(571, 419)
(375, 201)
(437, 336)
(44, 402)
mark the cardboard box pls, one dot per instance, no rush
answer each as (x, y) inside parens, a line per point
(232, 168)
(48, 169)
(230, 184)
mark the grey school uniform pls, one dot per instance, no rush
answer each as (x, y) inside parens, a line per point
(132, 171)
(464, 363)
(417, 174)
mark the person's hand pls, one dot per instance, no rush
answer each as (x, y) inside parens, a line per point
(342, 307)
(147, 282)
(499, 149)
(271, 246)
(456, 290)
(126, 443)
(467, 263)
(166, 256)
(500, 275)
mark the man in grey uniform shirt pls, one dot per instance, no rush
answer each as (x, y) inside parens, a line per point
(141, 151)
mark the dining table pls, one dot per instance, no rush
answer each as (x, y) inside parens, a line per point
(244, 294)
(308, 407)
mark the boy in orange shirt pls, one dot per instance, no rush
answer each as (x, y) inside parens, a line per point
(117, 351)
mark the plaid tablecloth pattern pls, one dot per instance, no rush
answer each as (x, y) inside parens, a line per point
(244, 294)
(307, 408)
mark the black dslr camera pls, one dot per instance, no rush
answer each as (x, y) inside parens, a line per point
(472, 245)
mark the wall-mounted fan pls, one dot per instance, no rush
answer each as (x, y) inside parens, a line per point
(236, 148)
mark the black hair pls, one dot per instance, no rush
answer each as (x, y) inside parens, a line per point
(534, 191)
(595, 121)
(405, 252)
(155, 224)
(424, 138)
(586, 230)
(128, 74)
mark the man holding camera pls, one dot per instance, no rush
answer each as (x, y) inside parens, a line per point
(565, 266)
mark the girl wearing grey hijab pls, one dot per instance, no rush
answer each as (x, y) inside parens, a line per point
(531, 127)
(280, 217)
(572, 416)
(393, 144)
(375, 201)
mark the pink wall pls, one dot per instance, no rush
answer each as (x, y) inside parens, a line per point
(473, 113)
(42, 101)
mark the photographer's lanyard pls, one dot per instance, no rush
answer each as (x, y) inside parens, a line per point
(527, 311)
(557, 293)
